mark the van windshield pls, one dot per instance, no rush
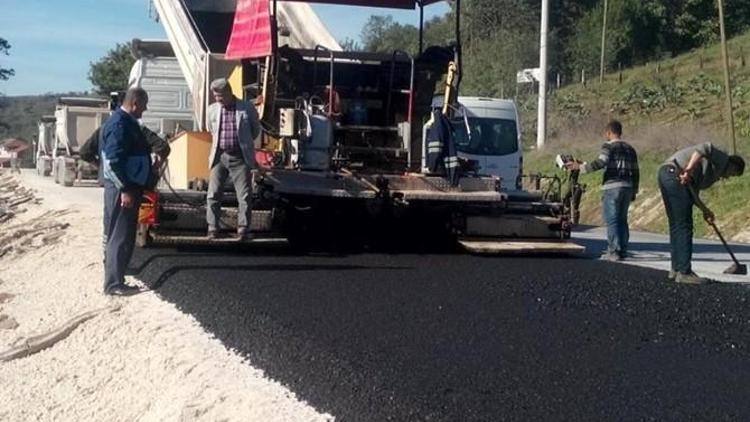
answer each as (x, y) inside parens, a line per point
(488, 136)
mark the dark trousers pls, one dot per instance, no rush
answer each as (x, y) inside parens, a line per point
(234, 167)
(679, 205)
(615, 204)
(120, 225)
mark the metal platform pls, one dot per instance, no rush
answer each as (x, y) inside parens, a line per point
(520, 247)
(342, 185)
(195, 239)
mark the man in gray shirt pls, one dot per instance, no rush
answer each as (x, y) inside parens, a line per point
(693, 168)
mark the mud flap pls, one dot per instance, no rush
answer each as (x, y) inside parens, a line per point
(148, 216)
(142, 236)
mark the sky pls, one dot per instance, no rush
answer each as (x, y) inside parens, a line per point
(54, 41)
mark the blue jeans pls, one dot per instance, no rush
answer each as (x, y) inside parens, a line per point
(615, 204)
(679, 205)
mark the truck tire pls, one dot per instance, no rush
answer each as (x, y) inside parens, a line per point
(69, 172)
(142, 236)
(56, 171)
(66, 179)
(43, 166)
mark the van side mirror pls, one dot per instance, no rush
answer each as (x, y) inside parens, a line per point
(465, 121)
(468, 128)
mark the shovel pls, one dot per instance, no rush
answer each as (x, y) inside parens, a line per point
(736, 267)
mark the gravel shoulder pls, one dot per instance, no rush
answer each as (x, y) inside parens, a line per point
(144, 360)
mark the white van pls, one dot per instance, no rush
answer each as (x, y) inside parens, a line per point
(493, 138)
(495, 141)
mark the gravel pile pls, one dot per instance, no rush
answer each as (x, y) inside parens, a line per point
(139, 359)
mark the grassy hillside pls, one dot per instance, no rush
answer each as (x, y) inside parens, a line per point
(663, 106)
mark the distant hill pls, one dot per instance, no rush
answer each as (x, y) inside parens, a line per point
(19, 114)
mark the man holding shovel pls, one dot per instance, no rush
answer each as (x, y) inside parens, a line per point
(681, 177)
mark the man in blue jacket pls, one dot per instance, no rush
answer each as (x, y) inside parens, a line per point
(126, 164)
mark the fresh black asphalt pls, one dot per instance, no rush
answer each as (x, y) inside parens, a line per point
(451, 337)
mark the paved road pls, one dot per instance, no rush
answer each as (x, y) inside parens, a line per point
(651, 250)
(58, 196)
(374, 337)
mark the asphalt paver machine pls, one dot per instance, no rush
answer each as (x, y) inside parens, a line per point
(340, 156)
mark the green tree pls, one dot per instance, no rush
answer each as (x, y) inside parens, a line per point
(634, 35)
(382, 34)
(5, 73)
(111, 72)
(348, 44)
(500, 37)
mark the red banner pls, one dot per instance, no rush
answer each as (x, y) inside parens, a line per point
(251, 33)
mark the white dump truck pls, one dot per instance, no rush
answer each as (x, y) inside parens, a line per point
(170, 104)
(75, 120)
(198, 32)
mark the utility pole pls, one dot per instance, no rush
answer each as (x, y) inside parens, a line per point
(604, 42)
(541, 133)
(727, 81)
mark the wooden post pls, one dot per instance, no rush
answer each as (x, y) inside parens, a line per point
(558, 81)
(742, 57)
(619, 71)
(583, 77)
(604, 42)
(727, 81)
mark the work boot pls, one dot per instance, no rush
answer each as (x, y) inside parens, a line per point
(124, 290)
(690, 278)
(612, 257)
(672, 275)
